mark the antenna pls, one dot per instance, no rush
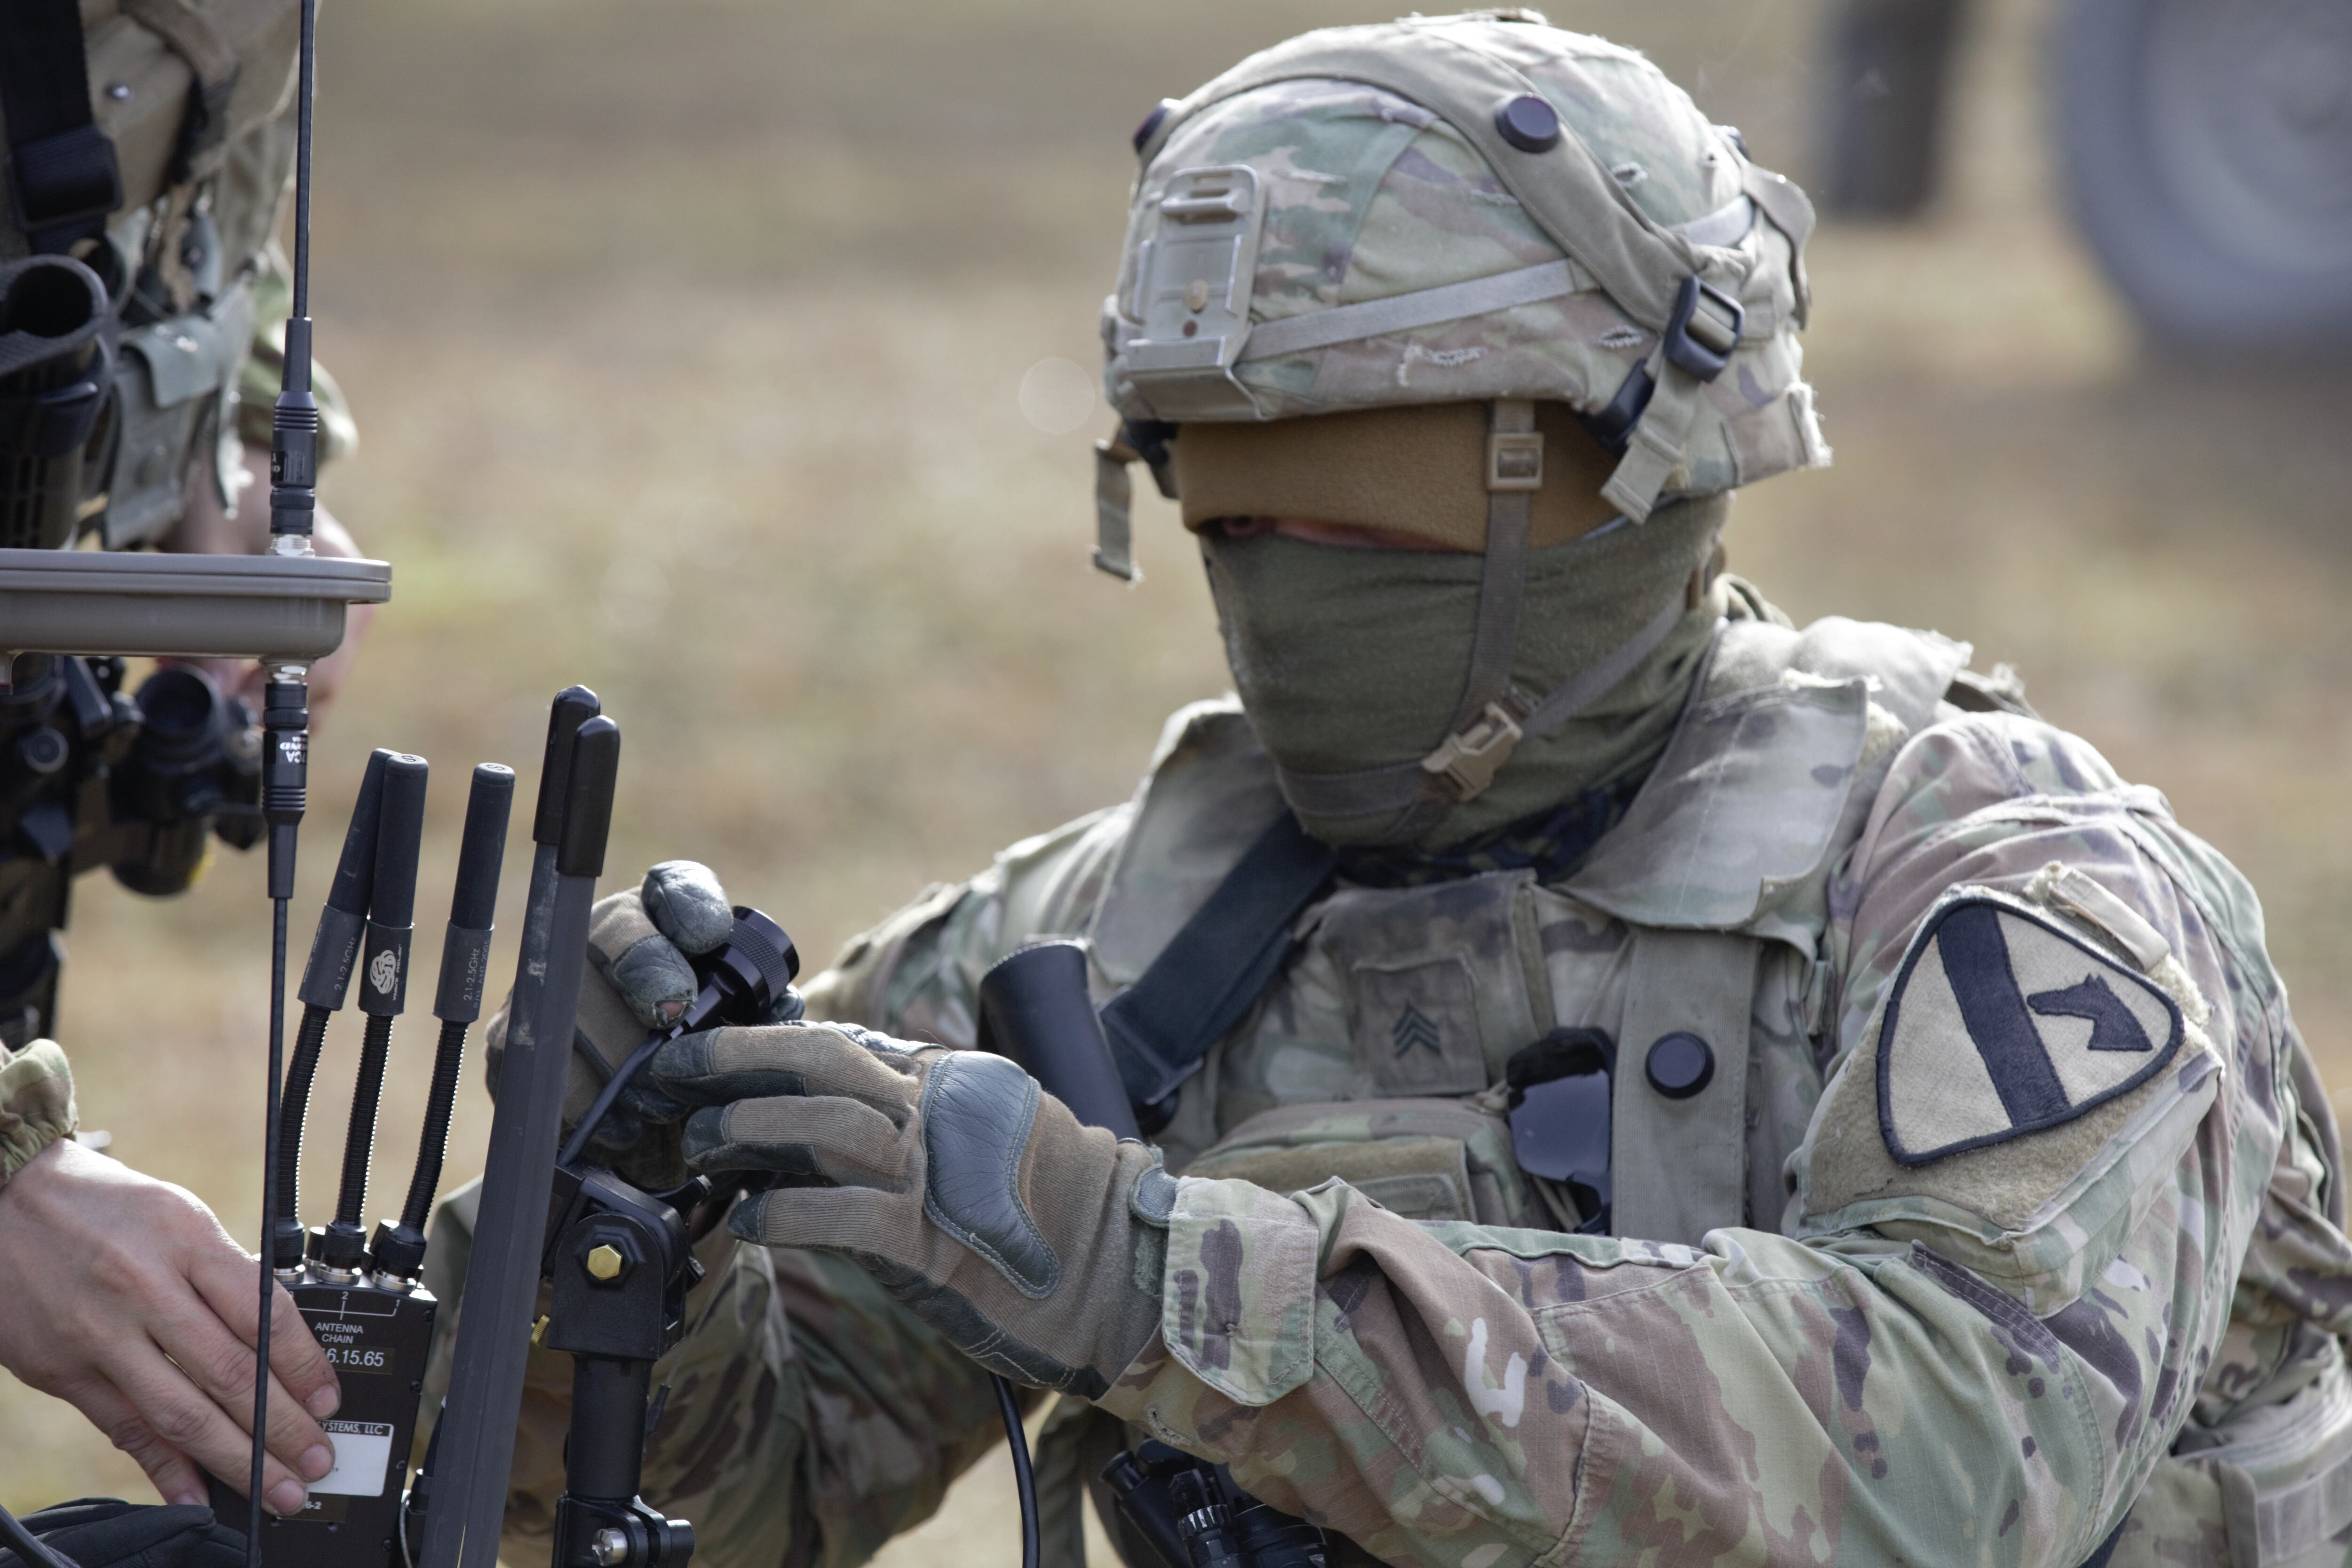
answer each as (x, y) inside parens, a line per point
(294, 423)
(285, 724)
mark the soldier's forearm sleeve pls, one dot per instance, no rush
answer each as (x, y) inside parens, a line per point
(1451, 1396)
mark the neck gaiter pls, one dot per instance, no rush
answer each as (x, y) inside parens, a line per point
(1350, 659)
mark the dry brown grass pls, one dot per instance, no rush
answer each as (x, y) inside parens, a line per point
(685, 339)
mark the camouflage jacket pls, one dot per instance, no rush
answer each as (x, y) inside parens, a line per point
(2033, 1218)
(37, 1103)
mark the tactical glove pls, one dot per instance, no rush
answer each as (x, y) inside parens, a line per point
(106, 1532)
(1031, 1242)
(640, 977)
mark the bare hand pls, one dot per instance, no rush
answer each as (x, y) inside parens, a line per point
(126, 1298)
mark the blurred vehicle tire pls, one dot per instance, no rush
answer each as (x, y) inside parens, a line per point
(1890, 69)
(2209, 152)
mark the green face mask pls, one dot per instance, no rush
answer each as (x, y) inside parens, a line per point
(1348, 660)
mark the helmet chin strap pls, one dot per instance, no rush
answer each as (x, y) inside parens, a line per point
(1492, 717)
(1143, 440)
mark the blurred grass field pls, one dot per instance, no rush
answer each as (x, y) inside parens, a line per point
(687, 344)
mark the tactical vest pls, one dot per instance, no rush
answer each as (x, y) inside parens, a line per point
(1700, 914)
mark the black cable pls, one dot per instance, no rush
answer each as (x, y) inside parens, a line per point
(309, 1039)
(1017, 1437)
(268, 1229)
(622, 1078)
(448, 1061)
(359, 1140)
(36, 1552)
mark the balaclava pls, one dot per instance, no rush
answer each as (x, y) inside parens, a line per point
(1348, 661)
(1494, 285)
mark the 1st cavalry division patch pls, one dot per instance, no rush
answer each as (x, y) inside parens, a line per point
(2001, 1023)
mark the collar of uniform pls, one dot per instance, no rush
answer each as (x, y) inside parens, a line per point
(1210, 794)
(1759, 788)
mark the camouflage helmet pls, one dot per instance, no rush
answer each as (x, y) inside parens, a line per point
(1475, 223)
(1461, 209)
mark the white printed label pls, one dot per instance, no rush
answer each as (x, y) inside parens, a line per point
(363, 1457)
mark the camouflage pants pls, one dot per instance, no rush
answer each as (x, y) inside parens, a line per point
(809, 1419)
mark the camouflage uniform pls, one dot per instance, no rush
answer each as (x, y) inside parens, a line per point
(2001, 1347)
(2008, 1227)
(2006, 1347)
(37, 1103)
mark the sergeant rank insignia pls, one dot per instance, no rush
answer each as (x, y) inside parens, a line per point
(2002, 1023)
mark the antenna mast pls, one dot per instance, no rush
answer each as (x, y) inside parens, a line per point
(285, 722)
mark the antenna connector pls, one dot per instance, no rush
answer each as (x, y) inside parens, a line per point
(285, 768)
(398, 1250)
(294, 442)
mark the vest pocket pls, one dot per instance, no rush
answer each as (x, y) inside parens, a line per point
(1425, 1159)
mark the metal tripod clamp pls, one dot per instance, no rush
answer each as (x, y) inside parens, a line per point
(621, 1269)
(620, 1262)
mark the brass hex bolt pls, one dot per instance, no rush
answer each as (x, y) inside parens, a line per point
(605, 1262)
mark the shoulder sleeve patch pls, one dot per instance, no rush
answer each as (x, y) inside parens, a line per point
(2001, 1023)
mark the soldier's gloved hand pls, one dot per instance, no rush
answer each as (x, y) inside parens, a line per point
(1032, 1243)
(640, 977)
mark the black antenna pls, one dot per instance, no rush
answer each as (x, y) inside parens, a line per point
(341, 1249)
(474, 1439)
(326, 980)
(294, 424)
(399, 1249)
(285, 727)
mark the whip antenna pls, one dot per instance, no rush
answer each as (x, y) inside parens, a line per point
(285, 722)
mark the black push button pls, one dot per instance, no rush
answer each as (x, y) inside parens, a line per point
(1679, 1065)
(1528, 123)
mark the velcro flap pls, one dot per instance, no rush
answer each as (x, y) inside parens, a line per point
(1239, 1307)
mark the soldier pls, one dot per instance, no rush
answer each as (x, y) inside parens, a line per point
(151, 141)
(1632, 1079)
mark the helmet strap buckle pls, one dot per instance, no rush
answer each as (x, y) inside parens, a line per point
(1467, 760)
(1514, 461)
